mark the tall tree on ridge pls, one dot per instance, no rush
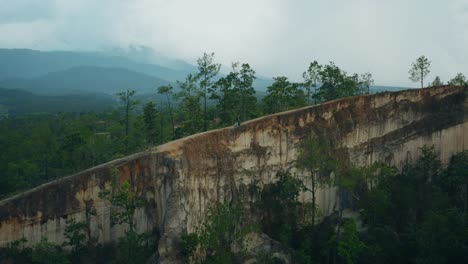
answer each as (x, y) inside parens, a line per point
(149, 118)
(190, 105)
(129, 104)
(207, 70)
(167, 90)
(366, 81)
(311, 78)
(247, 92)
(419, 70)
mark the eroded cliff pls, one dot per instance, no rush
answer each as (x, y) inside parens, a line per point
(180, 179)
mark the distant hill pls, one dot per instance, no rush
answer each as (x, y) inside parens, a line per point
(86, 79)
(380, 88)
(19, 102)
(25, 63)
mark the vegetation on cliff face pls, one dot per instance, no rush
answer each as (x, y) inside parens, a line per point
(81, 246)
(418, 215)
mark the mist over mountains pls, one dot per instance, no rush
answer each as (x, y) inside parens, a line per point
(58, 78)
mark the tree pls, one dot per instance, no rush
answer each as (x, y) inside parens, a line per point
(167, 90)
(235, 94)
(349, 246)
(437, 82)
(46, 252)
(454, 181)
(459, 79)
(311, 78)
(149, 118)
(124, 203)
(280, 207)
(283, 95)
(247, 92)
(129, 104)
(316, 158)
(227, 95)
(207, 70)
(190, 108)
(365, 82)
(335, 83)
(419, 70)
(75, 235)
(222, 229)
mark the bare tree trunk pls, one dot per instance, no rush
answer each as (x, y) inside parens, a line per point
(170, 113)
(313, 198)
(127, 110)
(205, 127)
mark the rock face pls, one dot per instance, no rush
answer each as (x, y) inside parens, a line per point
(180, 179)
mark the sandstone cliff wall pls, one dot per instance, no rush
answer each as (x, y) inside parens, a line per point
(181, 178)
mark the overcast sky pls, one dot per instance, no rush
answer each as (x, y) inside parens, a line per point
(277, 37)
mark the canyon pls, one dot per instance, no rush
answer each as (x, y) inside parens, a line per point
(181, 179)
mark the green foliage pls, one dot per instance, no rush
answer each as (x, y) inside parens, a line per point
(39, 148)
(235, 94)
(75, 235)
(46, 252)
(188, 244)
(129, 104)
(329, 82)
(220, 230)
(207, 70)
(124, 202)
(190, 111)
(459, 79)
(149, 117)
(223, 230)
(311, 79)
(167, 90)
(335, 83)
(419, 70)
(316, 159)
(349, 245)
(283, 95)
(264, 257)
(437, 82)
(280, 207)
(417, 215)
(134, 248)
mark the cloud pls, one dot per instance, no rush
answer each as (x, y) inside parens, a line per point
(19, 11)
(277, 37)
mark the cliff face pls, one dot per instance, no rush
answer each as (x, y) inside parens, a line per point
(181, 178)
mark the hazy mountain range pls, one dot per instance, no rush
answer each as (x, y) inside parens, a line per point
(88, 80)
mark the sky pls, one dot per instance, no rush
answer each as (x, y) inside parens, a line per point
(276, 37)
